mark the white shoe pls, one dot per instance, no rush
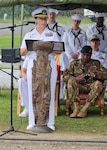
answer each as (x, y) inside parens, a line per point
(52, 127)
(105, 103)
(106, 89)
(30, 127)
(24, 113)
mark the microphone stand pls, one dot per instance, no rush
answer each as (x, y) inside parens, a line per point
(11, 129)
(12, 27)
(9, 74)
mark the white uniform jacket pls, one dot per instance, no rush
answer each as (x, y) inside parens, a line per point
(99, 56)
(101, 32)
(58, 28)
(74, 40)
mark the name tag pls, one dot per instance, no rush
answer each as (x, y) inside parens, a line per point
(49, 34)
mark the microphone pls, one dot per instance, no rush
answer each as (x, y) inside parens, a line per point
(83, 67)
(33, 22)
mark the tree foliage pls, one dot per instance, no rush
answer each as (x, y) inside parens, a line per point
(17, 11)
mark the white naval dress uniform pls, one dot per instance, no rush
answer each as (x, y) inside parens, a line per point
(74, 41)
(97, 55)
(58, 28)
(47, 35)
(102, 34)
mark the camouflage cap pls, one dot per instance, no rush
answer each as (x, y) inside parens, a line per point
(86, 49)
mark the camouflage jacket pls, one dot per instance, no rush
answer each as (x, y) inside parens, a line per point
(78, 69)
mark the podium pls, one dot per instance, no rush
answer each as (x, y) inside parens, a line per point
(41, 93)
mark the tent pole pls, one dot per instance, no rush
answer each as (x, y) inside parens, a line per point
(11, 94)
(22, 19)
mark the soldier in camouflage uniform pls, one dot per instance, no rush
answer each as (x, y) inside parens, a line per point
(84, 75)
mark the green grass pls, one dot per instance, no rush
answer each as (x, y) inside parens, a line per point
(92, 124)
(5, 111)
(68, 20)
(6, 41)
(16, 20)
(62, 19)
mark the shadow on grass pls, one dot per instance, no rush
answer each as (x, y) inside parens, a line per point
(93, 123)
(93, 110)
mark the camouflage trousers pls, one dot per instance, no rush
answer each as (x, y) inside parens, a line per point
(92, 89)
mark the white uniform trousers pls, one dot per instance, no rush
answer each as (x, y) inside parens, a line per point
(23, 91)
(53, 86)
(31, 118)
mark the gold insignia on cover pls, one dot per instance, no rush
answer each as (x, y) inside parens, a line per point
(44, 12)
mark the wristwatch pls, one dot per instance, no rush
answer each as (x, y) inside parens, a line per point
(94, 77)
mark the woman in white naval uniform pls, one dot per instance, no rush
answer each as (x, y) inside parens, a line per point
(44, 34)
(74, 39)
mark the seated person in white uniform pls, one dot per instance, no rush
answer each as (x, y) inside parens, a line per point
(23, 89)
(96, 53)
